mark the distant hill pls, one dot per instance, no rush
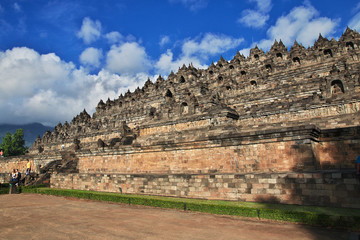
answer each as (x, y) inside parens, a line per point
(31, 131)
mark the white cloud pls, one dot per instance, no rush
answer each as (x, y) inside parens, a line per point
(193, 5)
(49, 105)
(303, 24)
(253, 18)
(164, 40)
(114, 37)
(128, 58)
(245, 52)
(53, 90)
(354, 23)
(90, 30)
(34, 73)
(263, 5)
(91, 57)
(256, 18)
(20, 64)
(210, 45)
(196, 51)
(167, 63)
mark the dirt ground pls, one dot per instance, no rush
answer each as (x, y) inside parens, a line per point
(31, 216)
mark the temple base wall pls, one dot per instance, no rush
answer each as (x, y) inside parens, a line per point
(294, 149)
(303, 148)
(287, 165)
(325, 188)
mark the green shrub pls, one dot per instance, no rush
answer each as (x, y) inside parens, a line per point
(222, 209)
(4, 185)
(4, 190)
(30, 189)
(261, 211)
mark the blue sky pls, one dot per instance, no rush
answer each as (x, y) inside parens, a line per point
(58, 57)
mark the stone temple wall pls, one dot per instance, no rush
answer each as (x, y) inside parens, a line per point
(293, 149)
(326, 188)
(285, 111)
(281, 88)
(303, 148)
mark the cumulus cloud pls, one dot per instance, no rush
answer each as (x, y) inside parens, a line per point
(196, 51)
(34, 73)
(91, 57)
(210, 45)
(302, 23)
(263, 5)
(193, 5)
(167, 63)
(53, 90)
(114, 37)
(90, 30)
(127, 58)
(253, 18)
(256, 18)
(20, 64)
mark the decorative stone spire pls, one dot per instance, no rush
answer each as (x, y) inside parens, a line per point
(148, 83)
(101, 104)
(256, 51)
(222, 59)
(321, 42)
(128, 93)
(297, 48)
(171, 75)
(183, 68)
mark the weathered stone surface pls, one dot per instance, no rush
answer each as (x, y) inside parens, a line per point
(340, 192)
(283, 114)
(317, 86)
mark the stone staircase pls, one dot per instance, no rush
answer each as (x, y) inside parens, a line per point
(67, 164)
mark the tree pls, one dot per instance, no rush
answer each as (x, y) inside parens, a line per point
(14, 145)
(6, 144)
(18, 143)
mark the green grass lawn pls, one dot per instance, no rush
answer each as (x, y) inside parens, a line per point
(314, 215)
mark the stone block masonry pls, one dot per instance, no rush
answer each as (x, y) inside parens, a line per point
(302, 148)
(323, 188)
(225, 132)
(4, 177)
(315, 86)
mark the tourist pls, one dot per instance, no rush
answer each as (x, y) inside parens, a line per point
(28, 167)
(14, 177)
(358, 165)
(1, 153)
(18, 176)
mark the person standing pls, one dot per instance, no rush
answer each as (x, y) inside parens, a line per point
(18, 176)
(1, 153)
(14, 175)
(358, 165)
(28, 167)
(13, 183)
